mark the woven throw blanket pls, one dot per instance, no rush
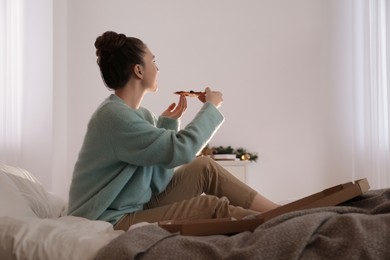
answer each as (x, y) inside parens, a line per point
(358, 229)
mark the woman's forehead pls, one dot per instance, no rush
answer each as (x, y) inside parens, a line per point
(148, 52)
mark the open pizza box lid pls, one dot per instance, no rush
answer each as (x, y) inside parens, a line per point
(329, 197)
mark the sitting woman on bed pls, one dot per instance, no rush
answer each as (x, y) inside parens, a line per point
(125, 172)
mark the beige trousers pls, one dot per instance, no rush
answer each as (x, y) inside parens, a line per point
(201, 189)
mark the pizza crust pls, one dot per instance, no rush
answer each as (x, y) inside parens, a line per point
(189, 93)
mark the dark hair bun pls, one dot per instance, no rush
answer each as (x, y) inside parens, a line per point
(117, 55)
(109, 42)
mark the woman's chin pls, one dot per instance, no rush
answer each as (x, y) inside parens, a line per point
(153, 90)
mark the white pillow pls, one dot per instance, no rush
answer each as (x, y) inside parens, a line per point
(12, 202)
(41, 202)
(62, 238)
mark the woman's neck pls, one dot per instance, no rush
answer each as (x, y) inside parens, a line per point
(132, 95)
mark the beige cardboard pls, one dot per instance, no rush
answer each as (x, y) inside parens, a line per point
(328, 197)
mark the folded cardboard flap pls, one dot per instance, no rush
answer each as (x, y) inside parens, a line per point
(329, 197)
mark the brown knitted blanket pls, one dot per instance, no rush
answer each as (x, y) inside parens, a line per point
(357, 229)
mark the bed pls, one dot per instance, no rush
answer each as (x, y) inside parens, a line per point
(34, 225)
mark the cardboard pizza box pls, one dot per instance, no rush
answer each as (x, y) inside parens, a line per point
(329, 197)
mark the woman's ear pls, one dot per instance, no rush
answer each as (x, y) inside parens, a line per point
(138, 71)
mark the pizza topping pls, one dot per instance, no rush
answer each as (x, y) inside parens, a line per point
(190, 93)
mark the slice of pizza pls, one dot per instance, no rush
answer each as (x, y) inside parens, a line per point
(190, 93)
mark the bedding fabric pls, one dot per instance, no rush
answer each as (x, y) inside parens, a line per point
(358, 229)
(22, 195)
(12, 202)
(32, 225)
(61, 238)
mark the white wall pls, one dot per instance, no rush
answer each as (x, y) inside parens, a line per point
(284, 68)
(60, 163)
(37, 107)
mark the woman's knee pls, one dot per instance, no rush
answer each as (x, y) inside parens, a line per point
(199, 164)
(203, 165)
(203, 161)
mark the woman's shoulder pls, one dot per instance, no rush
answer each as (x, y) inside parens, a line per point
(112, 109)
(147, 115)
(113, 106)
(144, 111)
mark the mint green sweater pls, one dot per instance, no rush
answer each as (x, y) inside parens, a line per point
(128, 155)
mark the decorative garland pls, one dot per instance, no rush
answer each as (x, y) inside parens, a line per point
(240, 153)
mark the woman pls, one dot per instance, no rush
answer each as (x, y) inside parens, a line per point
(125, 170)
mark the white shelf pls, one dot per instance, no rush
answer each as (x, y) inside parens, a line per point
(232, 162)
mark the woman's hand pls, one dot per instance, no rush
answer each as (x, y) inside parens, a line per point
(175, 112)
(214, 97)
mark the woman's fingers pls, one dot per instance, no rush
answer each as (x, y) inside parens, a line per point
(214, 97)
(176, 111)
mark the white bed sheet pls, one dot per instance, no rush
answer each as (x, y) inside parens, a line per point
(66, 237)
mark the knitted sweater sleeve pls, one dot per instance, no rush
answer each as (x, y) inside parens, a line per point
(138, 142)
(168, 123)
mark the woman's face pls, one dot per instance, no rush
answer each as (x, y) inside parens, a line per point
(150, 71)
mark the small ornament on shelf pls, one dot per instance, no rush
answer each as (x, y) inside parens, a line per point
(229, 153)
(244, 155)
